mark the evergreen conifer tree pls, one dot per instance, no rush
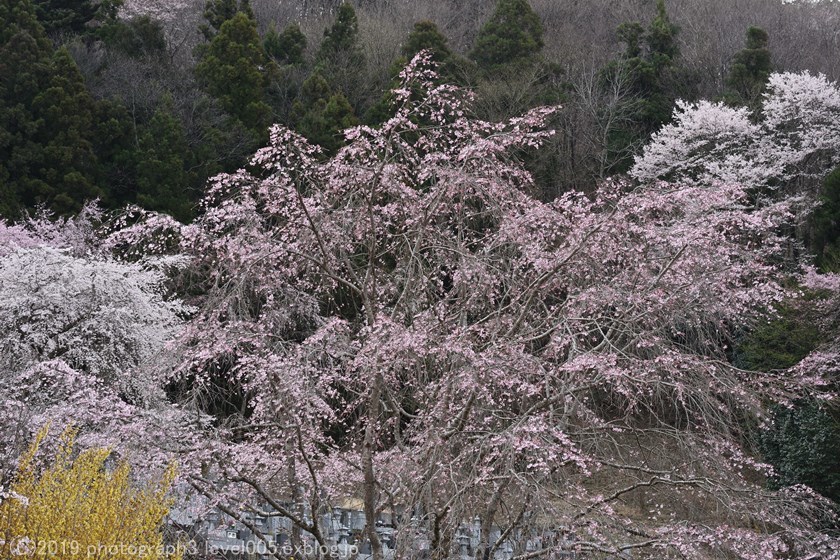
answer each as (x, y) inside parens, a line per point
(74, 16)
(233, 69)
(803, 441)
(321, 114)
(342, 37)
(514, 33)
(217, 12)
(162, 180)
(825, 225)
(64, 114)
(426, 36)
(138, 37)
(47, 119)
(662, 37)
(340, 59)
(287, 47)
(646, 71)
(115, 143)
(650, 74)
(750, 71)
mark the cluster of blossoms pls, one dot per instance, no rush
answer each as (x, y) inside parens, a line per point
(405, 322)
(793, 138)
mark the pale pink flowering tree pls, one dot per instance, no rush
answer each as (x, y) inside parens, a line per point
(75, 235)
(406, 324)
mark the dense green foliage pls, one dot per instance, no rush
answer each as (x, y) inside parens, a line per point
(233, 68)
(779, 344)
(214, 108)
(287, 47)
(247, 81)
(646, 72)
(47, 120)
(217, 12)
(139, 37)
(804, 447)
(426, 36)
(74, 16)
(513, 34)
(320, 114)
(342, 37)
(802, 442)
(162, 156)
(750, 71)
(60, 146)
(341, 61)
(825, 236)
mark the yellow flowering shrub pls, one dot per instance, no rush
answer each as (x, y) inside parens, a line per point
(78, 507)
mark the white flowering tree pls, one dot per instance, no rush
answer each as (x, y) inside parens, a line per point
(795, 137)
(79, 332)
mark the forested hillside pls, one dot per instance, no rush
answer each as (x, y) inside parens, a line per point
(436, 279)
(161, 98)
